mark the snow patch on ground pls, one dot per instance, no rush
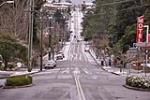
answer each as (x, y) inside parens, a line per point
(66, 50)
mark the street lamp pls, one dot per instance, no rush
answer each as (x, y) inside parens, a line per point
(49, 36)
(146, 51)
(30, 37)
(8, 2)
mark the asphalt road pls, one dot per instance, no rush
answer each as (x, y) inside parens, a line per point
(76, 78)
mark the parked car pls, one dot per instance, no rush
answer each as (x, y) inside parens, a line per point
(86, 49)
(50, 64)
(61, 52)
(59, 56)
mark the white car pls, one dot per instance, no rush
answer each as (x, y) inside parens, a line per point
(59, 56)
(50, 64)
(86, 49)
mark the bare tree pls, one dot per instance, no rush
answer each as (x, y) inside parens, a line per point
(14, 19)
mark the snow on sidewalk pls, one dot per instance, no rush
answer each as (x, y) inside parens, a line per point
(15, 73)
(109, 68)
(117, 71)
(65, 50)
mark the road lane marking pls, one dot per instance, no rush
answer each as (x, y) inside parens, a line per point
(79, 87)
(67, 70)
(78, 90)
(49, 71)
(86, 71)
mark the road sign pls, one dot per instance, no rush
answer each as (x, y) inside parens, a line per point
(140, 28)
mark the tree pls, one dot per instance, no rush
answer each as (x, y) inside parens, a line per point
(12, 50)
(58, 16)
(117, 20)
(146, 13)
(14, 20)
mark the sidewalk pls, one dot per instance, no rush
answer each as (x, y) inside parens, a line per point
(6, 74)
(115, 70)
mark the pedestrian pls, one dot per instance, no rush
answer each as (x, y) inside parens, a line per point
(109, 62)
(115, 62)
(102, 62)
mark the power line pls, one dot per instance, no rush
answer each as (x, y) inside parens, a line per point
(133, 8)
(107, 4)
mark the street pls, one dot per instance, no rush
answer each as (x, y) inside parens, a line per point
(78, 77)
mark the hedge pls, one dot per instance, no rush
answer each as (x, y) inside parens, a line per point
(19, 80)
(138, 82)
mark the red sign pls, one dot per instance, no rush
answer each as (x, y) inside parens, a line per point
(140, 28)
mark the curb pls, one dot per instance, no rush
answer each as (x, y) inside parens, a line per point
(137, 89)
(101, 66)
(15, 87)
(116, 73)
(22, 74)
(96, 61)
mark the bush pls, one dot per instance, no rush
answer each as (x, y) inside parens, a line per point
(138, 82)
(11, 66)
(19, 80)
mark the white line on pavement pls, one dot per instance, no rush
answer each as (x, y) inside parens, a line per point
(67, 70)
(79, 88)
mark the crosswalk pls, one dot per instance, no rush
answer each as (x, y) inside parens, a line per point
(66, 73)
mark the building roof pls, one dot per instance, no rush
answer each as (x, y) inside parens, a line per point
(63, 3)
(55, 6)
(49, 1)
(89, 4)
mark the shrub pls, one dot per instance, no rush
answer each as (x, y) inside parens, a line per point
(11, 66)
(139, 82)
(19, 80)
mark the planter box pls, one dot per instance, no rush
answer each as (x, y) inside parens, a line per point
(147, 69)
(137, 67)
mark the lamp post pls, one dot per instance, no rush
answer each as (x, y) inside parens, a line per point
(30, 41)
(146, 51)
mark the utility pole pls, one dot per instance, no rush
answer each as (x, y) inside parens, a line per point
(15, 17)
(50, 26)
(30, 36)
(41, 44)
